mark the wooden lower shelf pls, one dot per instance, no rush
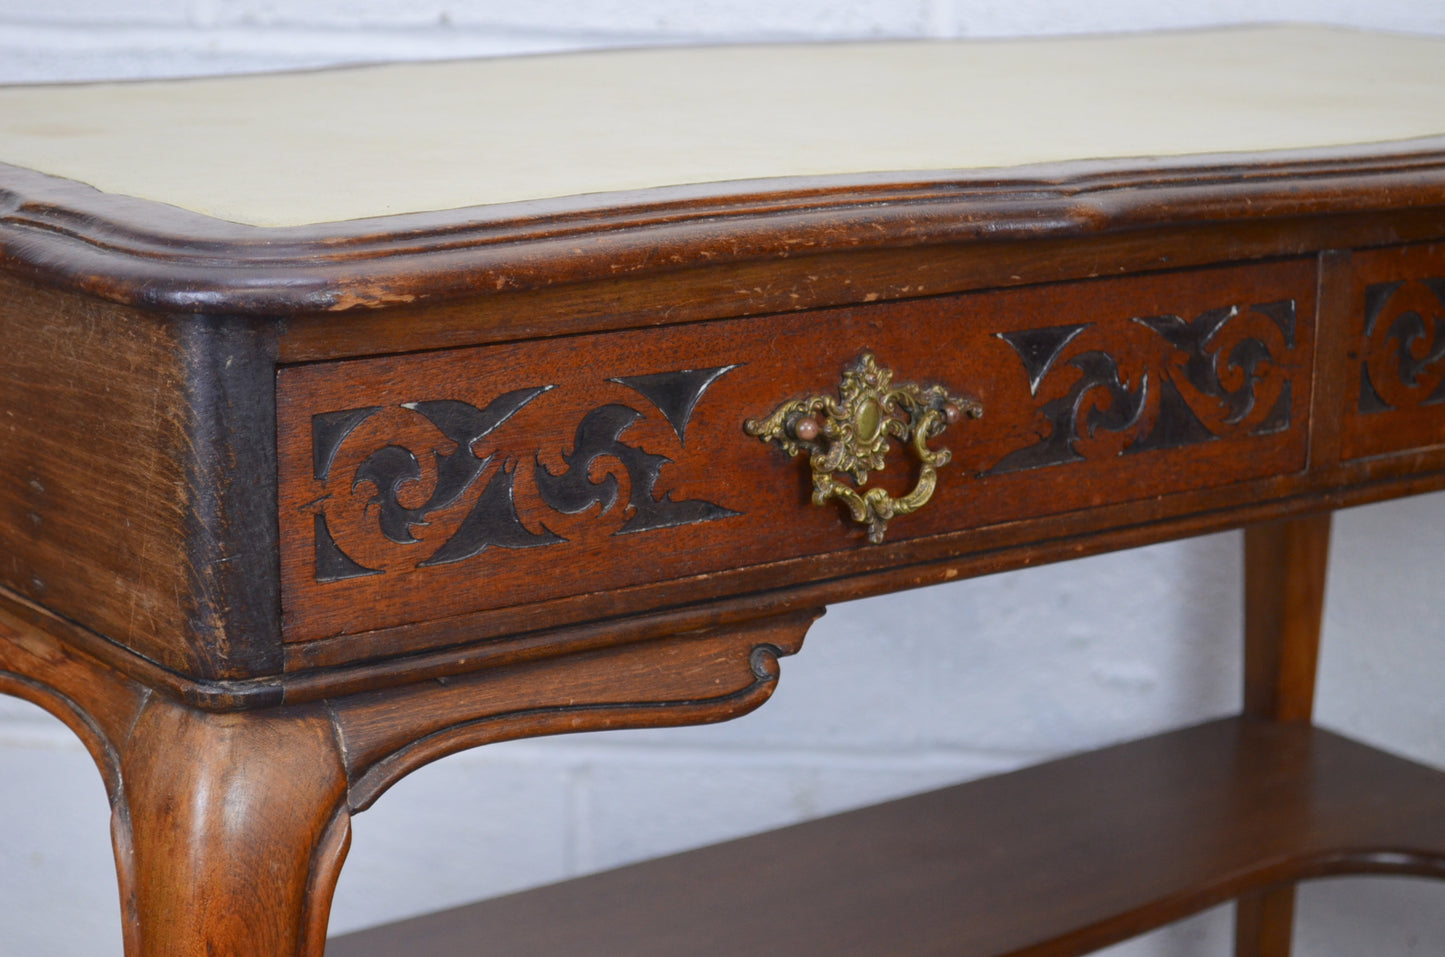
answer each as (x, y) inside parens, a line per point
(1061, 858)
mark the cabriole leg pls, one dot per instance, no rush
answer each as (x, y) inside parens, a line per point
(230, 832)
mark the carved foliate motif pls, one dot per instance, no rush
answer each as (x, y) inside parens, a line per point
(1204, 378)
(1402, 359)
(410, 489)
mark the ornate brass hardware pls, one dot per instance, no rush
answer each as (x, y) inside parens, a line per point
(851, 436)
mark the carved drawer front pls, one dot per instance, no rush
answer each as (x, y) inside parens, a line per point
(424, 486)
(1395, 397)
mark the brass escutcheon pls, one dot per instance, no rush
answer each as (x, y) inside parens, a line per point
(850, 434)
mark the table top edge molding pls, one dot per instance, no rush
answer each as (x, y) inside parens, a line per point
(147, 254)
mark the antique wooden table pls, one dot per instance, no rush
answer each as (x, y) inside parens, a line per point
(349, 419)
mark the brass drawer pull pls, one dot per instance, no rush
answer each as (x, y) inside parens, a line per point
(850, 435)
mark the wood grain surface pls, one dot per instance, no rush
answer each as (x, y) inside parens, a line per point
(107, 512)
(235, 299)
(287, 513)
(1093, 393)
(1059, 859)
(137, 478)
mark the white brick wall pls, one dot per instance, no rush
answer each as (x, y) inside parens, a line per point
(891, 695)
(75, 39)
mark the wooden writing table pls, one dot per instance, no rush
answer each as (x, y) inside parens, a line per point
(334, 442)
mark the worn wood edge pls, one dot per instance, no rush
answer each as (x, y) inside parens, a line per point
(155, 256)
(833, 278)
(233, 605)
(207, 695)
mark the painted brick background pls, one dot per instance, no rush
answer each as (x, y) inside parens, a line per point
(891, 695)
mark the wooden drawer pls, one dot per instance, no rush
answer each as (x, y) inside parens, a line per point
(424, 486)
(1395, 389)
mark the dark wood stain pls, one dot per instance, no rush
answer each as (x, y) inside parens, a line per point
(1156, 829)
(287, 513)
(93, 487)
(714, 506)
(1396, 347)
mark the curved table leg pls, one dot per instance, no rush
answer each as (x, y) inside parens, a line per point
(230, 827)
(230, 832)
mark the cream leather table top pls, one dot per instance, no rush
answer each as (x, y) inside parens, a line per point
(300, 148)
